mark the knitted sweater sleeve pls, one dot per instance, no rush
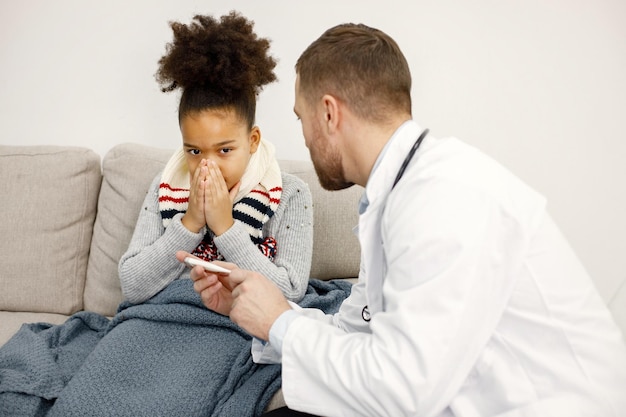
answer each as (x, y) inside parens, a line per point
(292, 227)
(150, 263)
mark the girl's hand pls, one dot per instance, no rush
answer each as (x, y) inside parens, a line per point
(218, 201)
(194, 219)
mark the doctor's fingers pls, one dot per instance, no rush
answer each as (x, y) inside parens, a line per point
(205, 281)
(198, 273)
(257, 303)
(256, 289)
(215, 298)
(238, 276)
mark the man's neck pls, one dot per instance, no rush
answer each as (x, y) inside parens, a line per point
(367, 144)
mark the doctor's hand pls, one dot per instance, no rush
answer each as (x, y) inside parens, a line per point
(214, 289)
(256, 302)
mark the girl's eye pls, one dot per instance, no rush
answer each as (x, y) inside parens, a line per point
(225, 150)
(194, 152)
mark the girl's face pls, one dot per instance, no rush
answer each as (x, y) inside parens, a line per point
(220, 136)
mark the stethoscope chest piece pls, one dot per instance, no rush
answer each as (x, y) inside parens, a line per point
(365, 313)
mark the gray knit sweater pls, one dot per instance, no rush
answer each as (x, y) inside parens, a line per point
(150, 264)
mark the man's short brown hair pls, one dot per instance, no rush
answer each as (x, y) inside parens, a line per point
(361, 66)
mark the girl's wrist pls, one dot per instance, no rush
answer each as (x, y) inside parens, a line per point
(223, 228)
(190, 225)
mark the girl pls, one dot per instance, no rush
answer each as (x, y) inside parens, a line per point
(221, 196)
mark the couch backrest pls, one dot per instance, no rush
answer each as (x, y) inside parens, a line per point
(336, 251)
(128, 170)
(48, 197)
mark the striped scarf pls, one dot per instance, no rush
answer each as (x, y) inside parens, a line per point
(255, 203)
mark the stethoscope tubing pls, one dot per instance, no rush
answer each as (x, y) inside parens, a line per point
(365, 313)
(409, 156)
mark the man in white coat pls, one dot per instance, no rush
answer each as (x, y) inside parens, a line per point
(469, 301)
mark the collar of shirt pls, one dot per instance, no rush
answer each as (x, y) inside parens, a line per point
(364, 201)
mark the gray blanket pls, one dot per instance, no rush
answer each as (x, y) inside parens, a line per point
(169, 356)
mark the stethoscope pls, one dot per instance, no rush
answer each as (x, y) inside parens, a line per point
(365, 313)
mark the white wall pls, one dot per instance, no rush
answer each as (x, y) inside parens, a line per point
(539, 85)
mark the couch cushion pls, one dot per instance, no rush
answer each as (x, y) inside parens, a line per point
(336, 250)
(49, 197)
(128, 170)
(12, 321)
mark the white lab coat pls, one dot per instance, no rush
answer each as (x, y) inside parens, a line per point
(478, 305)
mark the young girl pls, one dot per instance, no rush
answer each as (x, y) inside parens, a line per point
(221, 195)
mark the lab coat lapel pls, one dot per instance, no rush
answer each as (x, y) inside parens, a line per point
(370, 233)
(372, 256)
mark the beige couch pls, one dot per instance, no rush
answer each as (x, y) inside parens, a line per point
(65, 220)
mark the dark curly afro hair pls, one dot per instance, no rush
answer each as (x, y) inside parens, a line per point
(217, 64)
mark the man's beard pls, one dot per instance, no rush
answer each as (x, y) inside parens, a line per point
(329, 170)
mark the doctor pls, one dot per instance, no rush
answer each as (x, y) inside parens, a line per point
(469, 301)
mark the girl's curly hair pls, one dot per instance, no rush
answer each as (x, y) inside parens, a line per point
(217, 64)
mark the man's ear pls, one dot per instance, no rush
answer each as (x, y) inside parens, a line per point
(255, 139)
(331, 113)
